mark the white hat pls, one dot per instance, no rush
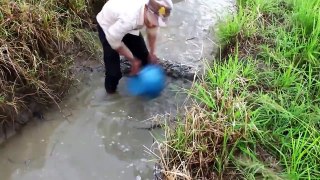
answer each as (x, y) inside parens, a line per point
(158, 11)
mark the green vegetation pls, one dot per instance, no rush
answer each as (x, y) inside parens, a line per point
(36, 40)
(256, 113)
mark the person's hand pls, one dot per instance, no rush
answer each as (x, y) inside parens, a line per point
(135, 66)
(153, 59)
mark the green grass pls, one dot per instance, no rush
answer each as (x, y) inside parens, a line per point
(36, 37)
(257, 111)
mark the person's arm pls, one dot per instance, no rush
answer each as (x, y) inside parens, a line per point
(124, 51)
(114, 35)
(152, 34)
(135, 63)
(152, 38)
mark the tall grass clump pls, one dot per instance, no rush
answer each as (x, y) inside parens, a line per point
(36, 39)
(256, 111)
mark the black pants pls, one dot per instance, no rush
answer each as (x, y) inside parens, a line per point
(111, 58)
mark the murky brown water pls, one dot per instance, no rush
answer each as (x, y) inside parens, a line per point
(95, 137)
(98, 136)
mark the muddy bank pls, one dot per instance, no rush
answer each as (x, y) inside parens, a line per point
(173, 70)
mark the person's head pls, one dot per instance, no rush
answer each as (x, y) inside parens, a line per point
(157, 13)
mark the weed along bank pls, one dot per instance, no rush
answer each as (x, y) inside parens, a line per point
(36, 42)
(57, 120)
(257, 113)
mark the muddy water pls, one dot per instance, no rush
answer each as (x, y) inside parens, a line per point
(189, 38)
(96, 136)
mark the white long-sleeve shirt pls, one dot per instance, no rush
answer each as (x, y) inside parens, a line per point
(119, 17)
